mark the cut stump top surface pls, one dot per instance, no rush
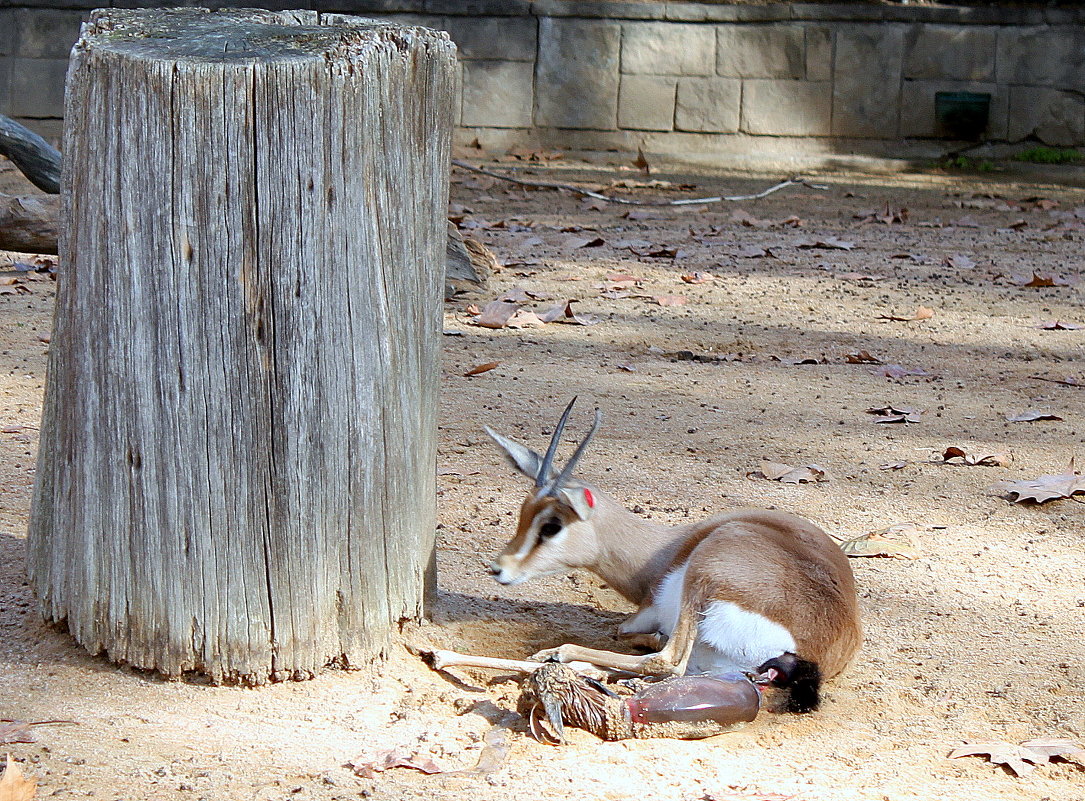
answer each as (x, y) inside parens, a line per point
(240, 34)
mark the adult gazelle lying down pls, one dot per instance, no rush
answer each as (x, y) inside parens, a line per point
(758, 591)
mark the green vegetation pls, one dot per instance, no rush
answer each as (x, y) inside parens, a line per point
(968, 164)
(1049, 155)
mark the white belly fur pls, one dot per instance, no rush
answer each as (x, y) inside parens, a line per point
(729, 637)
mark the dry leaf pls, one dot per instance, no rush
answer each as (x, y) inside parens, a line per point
(1059, 325)
(861, 357)
(577, 242)
(886, 215)
(894, 542)
(893, 414)
(1041, 279)
(670, 300)
(496, 314)
(921, 313)
(893, 466)
(827, 243)
(698, 277)
(641, 163)
(959, 262)
(1044, 488)
(394, 758)
(482, 368)
(1032, 415)
(785, 473)
(524, 318)
(1024, 758)
(998, 459)
(14, 786)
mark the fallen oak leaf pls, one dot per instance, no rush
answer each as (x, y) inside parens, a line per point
(669, 300)
(958, 261)
(1017, 758)
(893, 414)
(394, 758)
(999, 459)
(14, 786)
(1031, 416)
(524, 318)
(786, 474)
(480, 369)
(1059, 325)
(861, 357)
(878, 544)
(496, 314)
(1041, 280)
(921, 313)
(825, 243)
(1042, 489)
(1062, 748)
(754, 252)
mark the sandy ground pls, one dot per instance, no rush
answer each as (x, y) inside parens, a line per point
(980, 637)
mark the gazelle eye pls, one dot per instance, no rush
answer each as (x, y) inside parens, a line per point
(550, 528)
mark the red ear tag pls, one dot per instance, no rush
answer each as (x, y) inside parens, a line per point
(589, 498)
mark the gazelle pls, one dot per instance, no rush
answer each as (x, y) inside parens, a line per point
(757, 591)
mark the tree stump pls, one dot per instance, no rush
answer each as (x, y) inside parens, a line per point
(236, 473)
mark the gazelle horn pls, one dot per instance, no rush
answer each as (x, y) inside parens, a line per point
(542, 478)
(567, 471)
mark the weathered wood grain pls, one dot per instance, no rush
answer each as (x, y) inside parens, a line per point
(28, 223)
(236, 472)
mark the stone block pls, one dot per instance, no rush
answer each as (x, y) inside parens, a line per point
(1054, 117)
(597, 9)
(36, 87)
(646, 102)
(1042, 56)
(950, 52)
(46, 33)
(668, 48)
(866, 80)
(507, 38)
(497, 94)
(7, 31)
(51, 130)
(5, 94)
(819, 53)
(708, 105)
(760, 51)
(474, 8)
(917, 107)
(787, 108)
(576, 77)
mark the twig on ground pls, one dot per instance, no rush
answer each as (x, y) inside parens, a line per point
(795, 181)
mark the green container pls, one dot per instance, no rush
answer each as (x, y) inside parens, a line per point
(962, 115)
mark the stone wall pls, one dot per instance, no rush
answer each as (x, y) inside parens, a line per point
(681, 77)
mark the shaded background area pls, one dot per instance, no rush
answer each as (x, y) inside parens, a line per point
(702, 81)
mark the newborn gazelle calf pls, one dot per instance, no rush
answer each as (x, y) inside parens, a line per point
(762, 592)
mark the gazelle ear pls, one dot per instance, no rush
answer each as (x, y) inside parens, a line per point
(579, 499)
(522, 457)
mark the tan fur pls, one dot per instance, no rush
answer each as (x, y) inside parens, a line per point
(772, 563)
